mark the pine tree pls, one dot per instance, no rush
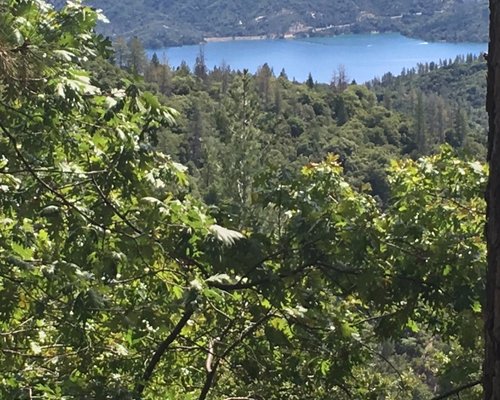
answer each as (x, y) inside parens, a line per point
(283, 74)
(420, 131)
(310, 81)
(200, 67)
(457, 135)
(263, 78)
(195, 139)
(155, 62)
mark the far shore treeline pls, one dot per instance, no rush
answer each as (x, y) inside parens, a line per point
(160, 23)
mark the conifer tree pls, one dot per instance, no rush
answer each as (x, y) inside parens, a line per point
(155, 62)
(200, 66)
(310, 81)
(420, 129)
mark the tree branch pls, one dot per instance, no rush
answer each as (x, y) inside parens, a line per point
(402, 384)
(115, 210)
(209, 380)
(160, 351)
(250, 285)
(247, 332)
(240, 398)
(44, 184)
(457, 390)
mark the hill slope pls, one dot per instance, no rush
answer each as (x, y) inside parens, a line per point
(170, 22)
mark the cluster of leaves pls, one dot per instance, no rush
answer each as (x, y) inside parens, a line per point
(159, 23)
(91, 216)
(117, 283)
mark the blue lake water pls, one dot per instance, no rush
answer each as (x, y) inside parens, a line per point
(364, 56)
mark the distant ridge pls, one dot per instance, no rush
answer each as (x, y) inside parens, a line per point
(176, 22)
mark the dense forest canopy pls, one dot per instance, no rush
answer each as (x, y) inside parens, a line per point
(175, 22)
(366, 125)
(216, 234)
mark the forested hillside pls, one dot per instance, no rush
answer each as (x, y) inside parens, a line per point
(173, 22)
(459, 84)
(197, 234)
(294, 123)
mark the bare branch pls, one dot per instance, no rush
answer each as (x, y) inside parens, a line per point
(457, 390)
(215, 365)
(240, 398)
(250, 285)
(161, 349)
(388, 362)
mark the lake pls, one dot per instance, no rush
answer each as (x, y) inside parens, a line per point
(364, 56)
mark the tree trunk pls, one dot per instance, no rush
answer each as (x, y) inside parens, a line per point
(492, 307)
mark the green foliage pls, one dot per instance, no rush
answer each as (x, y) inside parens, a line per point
(92, 218)
(117, 282)
(296, 123)
(451, 95)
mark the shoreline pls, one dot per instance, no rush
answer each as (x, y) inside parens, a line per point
(221, 39)
(317, 32)
(300, 32)
(320, 32)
